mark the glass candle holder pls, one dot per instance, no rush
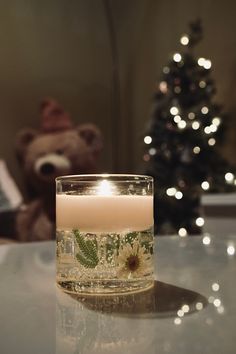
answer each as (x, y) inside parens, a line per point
(104, 233)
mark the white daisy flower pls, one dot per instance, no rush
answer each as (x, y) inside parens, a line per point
(133, 261)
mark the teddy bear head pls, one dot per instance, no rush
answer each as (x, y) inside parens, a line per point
(58, 148)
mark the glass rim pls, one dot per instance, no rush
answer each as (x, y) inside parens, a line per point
(86, 178)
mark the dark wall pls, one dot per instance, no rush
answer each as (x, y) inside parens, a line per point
(62, 49)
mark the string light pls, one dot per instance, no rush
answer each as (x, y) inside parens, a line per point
(177, 119)
(205, 185)
(217, 302)
(146, 157)
(230, 250)
(166, 70)
(199, 306)
(202, 84)
(213, 128)
(191, 115)
(184, 40)
(215, 287)
(152, 151)
(201, 61)
(177, 89)
(174, 111)
(147, 140)
(207, 64)
(216, 121)
(171, 191)
(207, 130)
(229, 177)
(182, 124)
(182, 232)
(180, 313)
(177, 57)
(178, 195)
(204, 110)
(196, 149)
(211, 141)
(200, 221)
(196, 125)
(163, 86)
(177, 321)
(185, 308)
(206, 240)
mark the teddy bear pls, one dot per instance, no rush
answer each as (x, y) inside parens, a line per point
(57, 148)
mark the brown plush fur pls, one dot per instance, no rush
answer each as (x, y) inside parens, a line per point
(43, 157)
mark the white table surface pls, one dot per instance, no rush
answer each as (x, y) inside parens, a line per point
(36, 317)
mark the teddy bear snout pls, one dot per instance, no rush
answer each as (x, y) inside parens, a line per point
(52, 165)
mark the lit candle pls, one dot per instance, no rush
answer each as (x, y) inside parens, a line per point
(104, 233)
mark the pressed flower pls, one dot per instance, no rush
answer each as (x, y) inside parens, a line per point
(133, 261)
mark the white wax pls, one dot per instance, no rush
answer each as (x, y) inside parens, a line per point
(98, 213)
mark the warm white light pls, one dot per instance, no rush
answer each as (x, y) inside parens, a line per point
(207, 130)
(213, 128)
(177, 119)
(185, 308)
(196, 149)
(229, 177)
(195, 125)
(191, 115)
(206, 240)
(215, 287)
(177, 89)
(171, 191)
(178, 195)
(205, 185)
(216, 121)
(147, 139)
(217, 302)
(182, 232)
(166, 70)
(177, 321)
(220, 309)
(152, 151)
(105, 188)
(199, 306)
(174, 110)
(184, 40)
(182, 124)
(163, 86)
(177, 57)
(211, 299)
(211, 141)
(201, 61)
(207, 64)
(231, 250)
(199, 221)
(204, 110)
(180, 313)
(202, 84)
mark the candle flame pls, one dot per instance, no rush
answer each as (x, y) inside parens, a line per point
(105, 188)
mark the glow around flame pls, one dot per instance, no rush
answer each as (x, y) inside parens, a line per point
(105, 188)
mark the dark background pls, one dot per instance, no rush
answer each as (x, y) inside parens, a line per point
(63, 49)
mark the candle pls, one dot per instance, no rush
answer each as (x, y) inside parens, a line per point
(104, 213)
(104, 233)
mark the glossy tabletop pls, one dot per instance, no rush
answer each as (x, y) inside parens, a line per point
(191, 308)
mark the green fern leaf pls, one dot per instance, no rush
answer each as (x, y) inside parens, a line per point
(88, 251)
(85, 262)
(93, 250)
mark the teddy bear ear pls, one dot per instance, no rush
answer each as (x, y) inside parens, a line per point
(92, 136)
(23, 139)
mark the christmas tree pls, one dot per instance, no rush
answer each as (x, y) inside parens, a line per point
(181, 140)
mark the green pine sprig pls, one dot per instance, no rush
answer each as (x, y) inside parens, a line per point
(88, 251)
